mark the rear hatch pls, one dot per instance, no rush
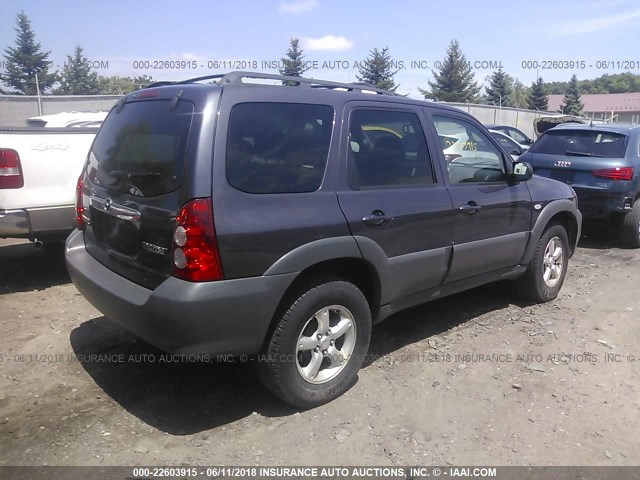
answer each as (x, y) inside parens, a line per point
(543, 124)
(139, 173)
(579, 157)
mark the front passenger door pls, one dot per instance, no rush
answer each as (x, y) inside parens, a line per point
(492, 218)
(396, 207)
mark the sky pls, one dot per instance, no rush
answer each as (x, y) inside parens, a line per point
(588, 37)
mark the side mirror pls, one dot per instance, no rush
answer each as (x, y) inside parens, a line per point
(522, 171)
(516, 151)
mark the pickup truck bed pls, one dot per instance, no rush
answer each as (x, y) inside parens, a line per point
(51, 160)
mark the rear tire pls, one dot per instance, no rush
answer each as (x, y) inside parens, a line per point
(544, 277)
(630, 227)
(318, 345)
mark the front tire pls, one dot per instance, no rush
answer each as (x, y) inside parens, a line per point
(630, 227)
(318, 345)
(544, 277)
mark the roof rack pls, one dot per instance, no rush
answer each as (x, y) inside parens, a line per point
(235, 78)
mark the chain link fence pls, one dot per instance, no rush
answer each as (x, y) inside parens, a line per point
(15, 109)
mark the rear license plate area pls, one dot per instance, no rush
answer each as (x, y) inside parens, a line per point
(114, 233)
(563, 176)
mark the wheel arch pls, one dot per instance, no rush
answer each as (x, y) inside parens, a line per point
(355, 270)
(563, 212)
(567, 220)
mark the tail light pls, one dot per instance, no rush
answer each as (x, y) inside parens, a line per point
(80, 204)
(10, 169)
(617, 173)
(195, 248)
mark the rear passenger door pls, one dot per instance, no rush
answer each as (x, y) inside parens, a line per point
(397, 208)
(492, 218)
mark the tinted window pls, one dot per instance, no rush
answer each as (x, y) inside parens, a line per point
(469, 154)
(386, 149)
(141, 150)
(509, 145)
(581, 142)
(278, 147)
(517, 136)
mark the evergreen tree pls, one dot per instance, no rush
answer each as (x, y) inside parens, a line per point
(454, 81)
(77, 77)
(500, 89)
(538, 98)
(25, 60)
(293, 63)
(378, 70)
(572, 104)
(520, 94)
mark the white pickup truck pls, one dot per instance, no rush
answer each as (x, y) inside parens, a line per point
(39, 167)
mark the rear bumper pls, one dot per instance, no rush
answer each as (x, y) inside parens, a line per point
(225, 317)
(14, 223)
(41, 223)
(600, 204)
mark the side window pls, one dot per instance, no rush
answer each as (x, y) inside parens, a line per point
(468, 152)
(508, 144)
(278, 147)
(517, 136)
(387, 149)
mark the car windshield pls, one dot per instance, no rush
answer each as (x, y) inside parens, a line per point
(587, 143)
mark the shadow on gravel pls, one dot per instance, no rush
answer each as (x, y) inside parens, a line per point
(23, 267)
(436, 317)
(183, 398)
(180, 398)
(599, 237)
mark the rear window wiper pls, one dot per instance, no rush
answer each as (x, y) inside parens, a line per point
(582, 154)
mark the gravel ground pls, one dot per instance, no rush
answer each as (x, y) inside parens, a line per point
(478, 378)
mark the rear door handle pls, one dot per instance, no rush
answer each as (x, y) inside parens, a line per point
(376, 219)
(470, 208)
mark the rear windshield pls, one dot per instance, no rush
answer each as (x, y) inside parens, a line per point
(581, 143)
(278, 147)
(141, 149)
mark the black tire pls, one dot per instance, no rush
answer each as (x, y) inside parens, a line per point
(532, 284)
(281, 366)
(630, 227)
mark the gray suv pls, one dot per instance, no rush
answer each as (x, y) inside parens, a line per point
(281, 222)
